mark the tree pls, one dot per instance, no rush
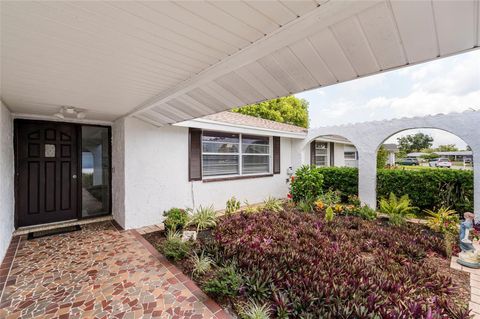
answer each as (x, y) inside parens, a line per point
(289, 110)
(446, 148)
(382, 157)
(414, 143)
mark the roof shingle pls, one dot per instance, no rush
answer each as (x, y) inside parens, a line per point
(247, 120)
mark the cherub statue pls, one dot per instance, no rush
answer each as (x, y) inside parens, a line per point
(468, 257)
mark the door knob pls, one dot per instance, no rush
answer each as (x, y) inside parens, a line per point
(74, 176)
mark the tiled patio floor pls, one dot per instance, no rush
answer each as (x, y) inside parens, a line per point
(98, 272)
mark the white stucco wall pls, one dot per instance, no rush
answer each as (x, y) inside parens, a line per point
(7, 179)
(156, 175)
(118, 171)
(338, 154)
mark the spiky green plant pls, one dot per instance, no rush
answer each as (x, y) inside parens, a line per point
(250, 209)
(397, 209)
(201, 263)
(253, 310)
(232, 206)
(442, 220)
(173, 235)
(329, 214)
(272, 204)
(203, 218)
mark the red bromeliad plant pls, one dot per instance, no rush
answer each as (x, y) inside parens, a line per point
(349, 268)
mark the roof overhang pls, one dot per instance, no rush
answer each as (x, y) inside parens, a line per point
(210, 125)
(167, 62)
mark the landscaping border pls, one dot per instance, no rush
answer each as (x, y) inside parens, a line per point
(219, 312)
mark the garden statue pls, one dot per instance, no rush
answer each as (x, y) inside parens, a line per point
(468, 257)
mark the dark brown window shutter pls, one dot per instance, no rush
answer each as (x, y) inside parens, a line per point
(276, 155)
(312, 153)
(194, 154)
(332, 154)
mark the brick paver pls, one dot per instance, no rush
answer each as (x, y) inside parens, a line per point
(98, 272)
(474, 303)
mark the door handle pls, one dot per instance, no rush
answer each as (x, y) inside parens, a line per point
(74, 176)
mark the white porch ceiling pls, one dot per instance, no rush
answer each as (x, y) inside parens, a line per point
(166, 62)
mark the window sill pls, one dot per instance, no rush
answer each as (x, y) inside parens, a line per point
(232, 178)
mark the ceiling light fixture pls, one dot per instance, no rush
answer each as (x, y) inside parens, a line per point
(70, 110)
(59, 114)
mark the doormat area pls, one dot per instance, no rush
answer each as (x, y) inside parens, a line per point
(50, 232)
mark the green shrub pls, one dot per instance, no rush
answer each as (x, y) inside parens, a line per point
(203, 218)
(306, 205)
(272, 204)
(426, 188)
(397, 209)
(330, 198)
(307, 183)
(429, 188)
(226, 283)
(343, 179)
(176, 218)
(174, 248)
(366, 212)
(232, 206)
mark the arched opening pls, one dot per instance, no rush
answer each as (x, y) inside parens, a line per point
(337, 157)
(433, 167)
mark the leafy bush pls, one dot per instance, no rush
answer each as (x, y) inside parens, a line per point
(176, 218)
(426, 188)
(397, 209)
(253, 310)
(430, 188)
(306, 184)
(272, 204)
(306, 205)
(443, 220)
(226, 282)
(366, 212)
(203, 218)
(329, 198)
(343, 179)
(232, 205)
(349, 268)
(174, 248)
(201, 264)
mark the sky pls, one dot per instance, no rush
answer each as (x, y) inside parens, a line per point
(445, 85)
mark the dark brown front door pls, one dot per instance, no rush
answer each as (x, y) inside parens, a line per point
(46, 172)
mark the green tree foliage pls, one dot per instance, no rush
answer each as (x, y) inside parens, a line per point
(382, 157)
(446, 148)
(414, 142)
(289, 110)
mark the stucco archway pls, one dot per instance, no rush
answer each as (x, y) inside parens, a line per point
(446, 195)
(368, 137)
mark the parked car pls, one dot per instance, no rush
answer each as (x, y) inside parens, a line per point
(440, 162)
(433, 162)
(409, 161)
